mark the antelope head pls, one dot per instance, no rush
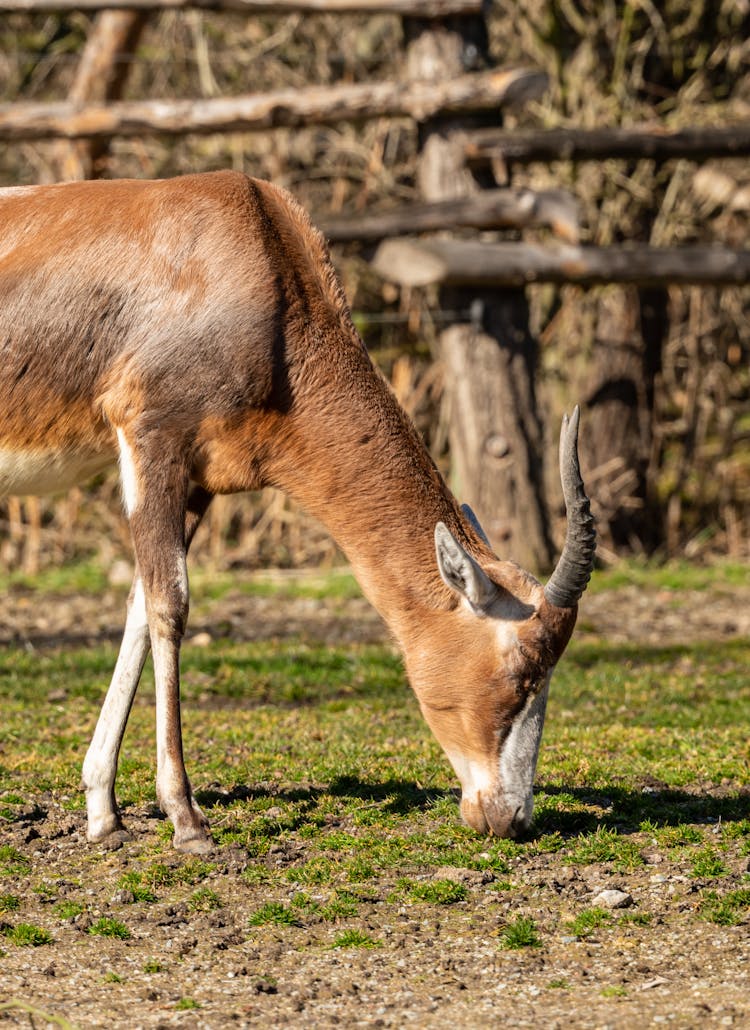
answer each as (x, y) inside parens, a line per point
(483, 682)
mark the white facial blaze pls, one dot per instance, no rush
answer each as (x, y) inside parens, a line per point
(520, 752)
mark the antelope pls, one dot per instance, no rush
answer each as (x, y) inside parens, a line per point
(194, 330)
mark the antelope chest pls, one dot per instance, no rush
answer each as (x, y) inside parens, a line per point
(46, 471)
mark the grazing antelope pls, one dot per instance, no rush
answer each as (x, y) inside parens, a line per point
(194, 329)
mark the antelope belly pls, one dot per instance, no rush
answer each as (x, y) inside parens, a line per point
(25, 472)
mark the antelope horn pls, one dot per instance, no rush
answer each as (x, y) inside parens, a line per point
(573, 570)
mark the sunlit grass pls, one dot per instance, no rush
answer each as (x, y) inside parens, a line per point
(320, 753)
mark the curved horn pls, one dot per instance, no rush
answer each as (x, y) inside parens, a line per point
(573, 570)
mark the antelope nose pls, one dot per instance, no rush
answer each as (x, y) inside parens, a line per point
(519, 824)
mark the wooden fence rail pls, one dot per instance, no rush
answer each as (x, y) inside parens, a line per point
(282, 108)
(449, 262)
(491, 209)
(601, 144)
(414, 8)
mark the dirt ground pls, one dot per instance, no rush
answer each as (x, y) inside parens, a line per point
(436, 966)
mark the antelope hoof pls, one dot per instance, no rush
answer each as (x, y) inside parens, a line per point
(112, 840)
(197, 844)
(101, 828)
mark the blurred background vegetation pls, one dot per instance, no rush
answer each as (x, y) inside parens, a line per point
(676, 64)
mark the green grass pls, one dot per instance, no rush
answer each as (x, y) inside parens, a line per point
(109, 927)
(187, 1003)
(83, 577)
(522, 933)
(355, 939)
(204, 900)
(12, 862)
(68, 909)
(336, 584)
(588, 920)
(275, 913)
(313, 764)
(439, 892)
(26, 935)
(707, 863)
(672, 575)
(728, 909)
(9, 903)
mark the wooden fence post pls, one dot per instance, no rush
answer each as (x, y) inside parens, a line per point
(100, 76)
(617, 390)
(490, 358)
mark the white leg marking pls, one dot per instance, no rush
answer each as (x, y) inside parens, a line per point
(100, 764)
(128, 474)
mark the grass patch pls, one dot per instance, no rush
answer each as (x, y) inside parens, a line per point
(275, 913)
(136, 883)
(605, 845)
(520, 934)
(9, 903)
(708, 863)
(185, 1004)
(354, 938)
(614, 991)
(728, 909)
(109, 927)
(204, 900)
(12, 862)
(439, 892)
(26, 935)
(588, 920)
(68, 909)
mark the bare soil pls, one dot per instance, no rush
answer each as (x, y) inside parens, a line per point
(435, 966)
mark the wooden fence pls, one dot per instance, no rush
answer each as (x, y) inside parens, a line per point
(452, 108)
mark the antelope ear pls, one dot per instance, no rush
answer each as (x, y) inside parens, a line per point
(461, 572)
(474, 521)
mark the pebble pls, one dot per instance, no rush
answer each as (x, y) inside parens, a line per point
(613, 899)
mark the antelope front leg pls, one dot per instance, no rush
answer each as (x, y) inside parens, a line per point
(158, 524)
(100, 764)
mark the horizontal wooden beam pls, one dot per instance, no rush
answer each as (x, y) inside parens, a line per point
(599, 144)
(418, 8)
(490, 209)
(287, 108)
(411, 262)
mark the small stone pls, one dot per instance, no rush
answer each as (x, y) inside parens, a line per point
(123, 897)
(613, 899)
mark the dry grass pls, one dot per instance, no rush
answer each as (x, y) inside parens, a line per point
(622, 63)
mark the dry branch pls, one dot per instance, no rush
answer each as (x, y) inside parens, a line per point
(418, 8)
(600, 144)
(288, 107)
(490, 209)
(475, 263)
